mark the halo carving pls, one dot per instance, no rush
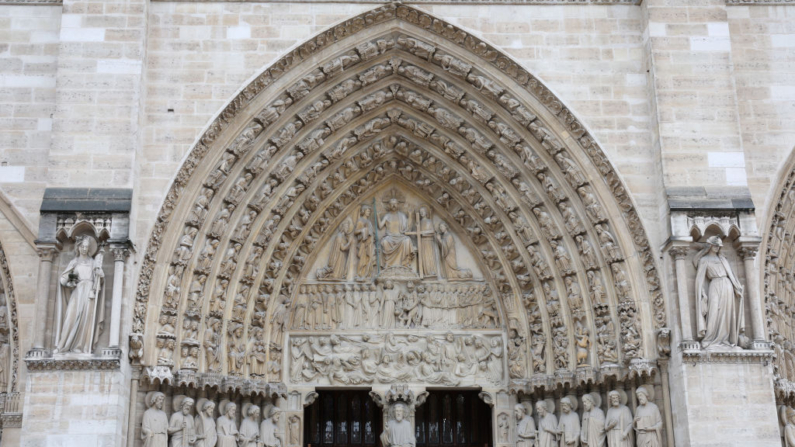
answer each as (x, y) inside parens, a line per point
(397, 97)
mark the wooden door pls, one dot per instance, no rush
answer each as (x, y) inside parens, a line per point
(342, 418)
(453, 419)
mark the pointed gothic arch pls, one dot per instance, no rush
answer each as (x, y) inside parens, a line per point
(377, 98)
(10, 327)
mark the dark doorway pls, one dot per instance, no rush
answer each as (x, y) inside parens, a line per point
(340, 418)
(453, 418)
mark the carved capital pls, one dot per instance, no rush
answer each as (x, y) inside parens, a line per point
(47, 253)
(119, 253)
(748, 252)
(679, 253)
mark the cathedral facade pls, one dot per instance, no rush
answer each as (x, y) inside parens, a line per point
(425, 224)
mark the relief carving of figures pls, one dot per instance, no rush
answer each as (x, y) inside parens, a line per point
(257, 355)
(610, 248)
(447, 250)
(719, 299)
(398, 431)
(618, 422)
(525, 427)
(181, 427)
(593, 421)
(226, 426)
(235, 349)
(204, 424)
(294, 435)
(592, 207)
(587, 254)
(80, 304)
(365, 245)
(648, 420)
(427, 249)
(547, 424)
(154, 428)
(337, 266)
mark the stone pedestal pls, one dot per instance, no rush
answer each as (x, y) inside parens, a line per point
(725, 399)
(75, 408)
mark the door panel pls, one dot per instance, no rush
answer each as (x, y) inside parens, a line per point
(339, 418)
(453, 419)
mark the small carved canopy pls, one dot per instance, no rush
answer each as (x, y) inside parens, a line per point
(399, 96)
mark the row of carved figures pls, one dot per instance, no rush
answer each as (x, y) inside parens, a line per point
(389, 305)
(183, 429)
(617, 428)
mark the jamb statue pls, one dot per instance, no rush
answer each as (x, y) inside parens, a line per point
(154, 428)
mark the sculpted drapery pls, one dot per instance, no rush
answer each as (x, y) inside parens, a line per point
(396, 246)
(398, 432)
(365, 245)
(719, 317)
(337, 267)
(80, 300)
(154, 429)
(428, 250)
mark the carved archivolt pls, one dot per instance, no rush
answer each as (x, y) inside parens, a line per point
(9, 334)
(397, 99)
(779, 288)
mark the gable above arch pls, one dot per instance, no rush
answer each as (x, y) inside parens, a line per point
(398, 94)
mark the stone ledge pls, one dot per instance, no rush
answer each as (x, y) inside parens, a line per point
(707, 198)
(45, 363)
(744, 356)
(434, 2)
(104, 200)
(32, 2)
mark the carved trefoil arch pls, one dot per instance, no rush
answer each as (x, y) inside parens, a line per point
(396, 98)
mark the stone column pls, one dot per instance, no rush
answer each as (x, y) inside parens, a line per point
(748, 253)
(47, 253)
(119, 255)
(136, 375)
(679, 254)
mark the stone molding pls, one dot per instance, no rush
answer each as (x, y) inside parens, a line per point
(74, 364)
(11, 303)
(32, 2)
(744, 356)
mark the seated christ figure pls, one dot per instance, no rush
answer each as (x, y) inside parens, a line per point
(396, 246)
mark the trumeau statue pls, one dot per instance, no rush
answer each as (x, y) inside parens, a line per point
(398, 431)
(81, 300)
(719, 299)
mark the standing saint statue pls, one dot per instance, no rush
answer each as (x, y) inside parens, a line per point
(593, 421)
(398, 431)
(569, 424)
(204, 424)
(81, 300)
(547, 424)
(618, 423)
(181, 427)
(719, 317)
(525, 427)
(154, 428)
(365, 245)
(427, 251)
(396, 246)
(648, 420)
(269, 429)
(337, 266)
(226, 427)
(447, 248)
